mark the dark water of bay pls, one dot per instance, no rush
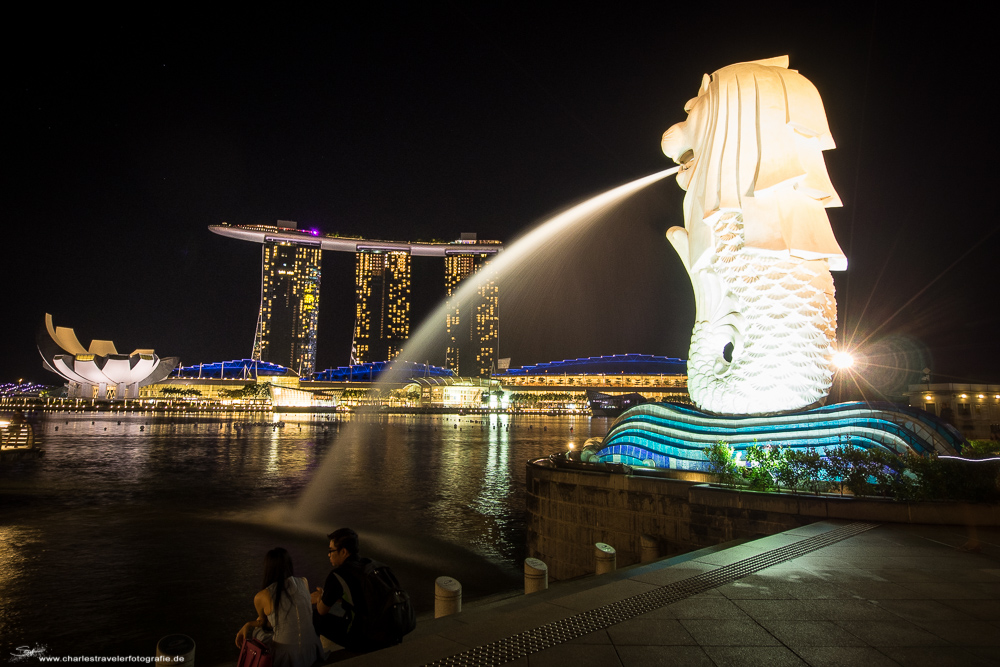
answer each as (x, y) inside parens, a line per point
(132, 528)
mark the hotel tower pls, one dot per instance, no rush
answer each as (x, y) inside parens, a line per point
(289, 300)
(472, 326)
(382, 304)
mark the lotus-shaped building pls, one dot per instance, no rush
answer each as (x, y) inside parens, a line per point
(99, 372)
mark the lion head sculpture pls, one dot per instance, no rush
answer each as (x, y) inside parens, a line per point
(754, 142)
(757, 242)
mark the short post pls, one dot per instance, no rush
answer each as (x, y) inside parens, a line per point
(649, 549)
(447, 597)
(536, 576)
(175, 650)
(606, 558)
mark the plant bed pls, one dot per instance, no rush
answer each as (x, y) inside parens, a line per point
(862, 473)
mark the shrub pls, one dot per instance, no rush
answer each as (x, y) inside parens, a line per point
(865, 472)
(761, 468)
(857, 469)
(803, 467)
(837, 466)
(890, 474)
(981, 449)
(977, 481)
(722, 462)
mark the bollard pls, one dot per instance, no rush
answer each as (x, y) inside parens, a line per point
(649, 549)
(536, 576)
(606, 557)
(447, 597)
(175, 650)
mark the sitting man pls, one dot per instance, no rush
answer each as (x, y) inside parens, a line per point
(340, 602)
(362, 607)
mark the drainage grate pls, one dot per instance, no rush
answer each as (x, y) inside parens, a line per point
(531, 641)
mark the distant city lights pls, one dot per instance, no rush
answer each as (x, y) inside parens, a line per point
(22, 389)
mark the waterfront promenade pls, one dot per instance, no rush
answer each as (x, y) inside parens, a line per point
(831, 593)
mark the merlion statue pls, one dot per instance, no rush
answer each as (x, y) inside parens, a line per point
(756, 241)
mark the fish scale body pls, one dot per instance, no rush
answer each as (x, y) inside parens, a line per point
(780, 315)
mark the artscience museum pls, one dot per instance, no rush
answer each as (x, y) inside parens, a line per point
(99, 372)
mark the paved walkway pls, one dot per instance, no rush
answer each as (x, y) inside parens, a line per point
(831, 593)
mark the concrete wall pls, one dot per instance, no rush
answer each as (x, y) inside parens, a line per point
(570, 510)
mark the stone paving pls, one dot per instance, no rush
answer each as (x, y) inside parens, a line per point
(893, 595)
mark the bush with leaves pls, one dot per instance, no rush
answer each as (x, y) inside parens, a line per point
(890, 474)
(804, 467)
(857, 469)
(836, 468)
(761, 468)
(180, 391)
(981, 449)
(977, 481)
(865, 472)
(722, 462)
(955, 479)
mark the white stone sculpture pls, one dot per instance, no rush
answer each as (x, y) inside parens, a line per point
(756, 241)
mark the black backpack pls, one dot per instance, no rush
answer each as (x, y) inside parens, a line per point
(387, 613)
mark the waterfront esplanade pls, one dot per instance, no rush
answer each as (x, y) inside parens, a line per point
(353, 243)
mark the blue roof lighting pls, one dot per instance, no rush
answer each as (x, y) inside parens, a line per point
(371, 371)
(235, 369)
(623, 364)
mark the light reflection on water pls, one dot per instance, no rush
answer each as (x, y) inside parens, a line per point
(118, 537)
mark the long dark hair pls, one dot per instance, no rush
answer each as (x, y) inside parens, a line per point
(277, 568)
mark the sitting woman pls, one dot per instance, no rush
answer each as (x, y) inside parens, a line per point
(284, 615)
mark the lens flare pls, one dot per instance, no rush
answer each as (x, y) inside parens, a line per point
(843, 360)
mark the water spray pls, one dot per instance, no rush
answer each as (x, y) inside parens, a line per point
(416, 346)
(315, 498)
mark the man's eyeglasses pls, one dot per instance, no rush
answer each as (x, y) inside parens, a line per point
(333, 551)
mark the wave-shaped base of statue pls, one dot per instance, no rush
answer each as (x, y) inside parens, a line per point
(671, 436)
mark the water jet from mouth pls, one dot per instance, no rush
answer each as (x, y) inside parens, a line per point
(314, 503)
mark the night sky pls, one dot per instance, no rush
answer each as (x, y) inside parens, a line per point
(125, 140)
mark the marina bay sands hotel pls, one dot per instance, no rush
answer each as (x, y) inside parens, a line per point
(290, 286)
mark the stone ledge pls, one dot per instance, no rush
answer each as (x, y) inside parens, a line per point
(570, 510)
(941, 512)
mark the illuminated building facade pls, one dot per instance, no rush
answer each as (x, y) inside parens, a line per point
(456, 268)
(382, 291)
(614, 376)
(289, 302)
(99, 371)
(472, 326)
(974, 409)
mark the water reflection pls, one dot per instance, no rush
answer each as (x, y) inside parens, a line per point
(496, 489)
(118, 537)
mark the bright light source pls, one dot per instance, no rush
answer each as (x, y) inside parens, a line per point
(843, 360)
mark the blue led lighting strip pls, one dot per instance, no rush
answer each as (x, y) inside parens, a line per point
(661, 432)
